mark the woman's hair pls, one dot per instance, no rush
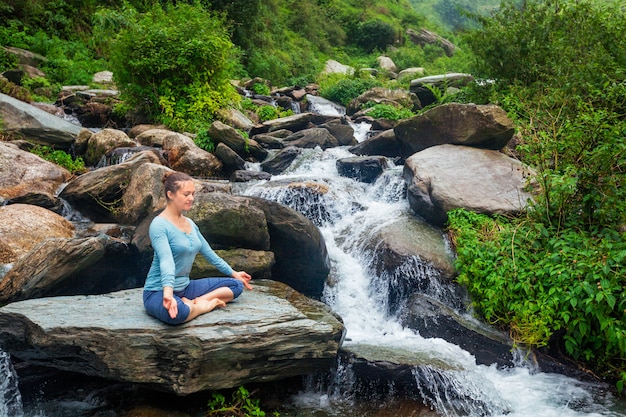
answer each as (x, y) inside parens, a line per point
(172, 181)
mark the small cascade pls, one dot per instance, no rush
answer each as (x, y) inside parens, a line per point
(10, 397)
(458, 393)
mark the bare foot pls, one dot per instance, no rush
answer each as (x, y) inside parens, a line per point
(209, 305)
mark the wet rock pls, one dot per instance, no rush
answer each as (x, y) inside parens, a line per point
(32, 123)
(281, 160)
(384, 144)
(267, 334)
(445, 177)
(362, 168)
(246, 176)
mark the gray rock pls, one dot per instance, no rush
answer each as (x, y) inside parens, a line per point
(384, 143)
(35, 124)
(362, 168)
(232, 162)
(380, 95)
(281, 160)
(185, 156)
(245, 148)
(445, 177)
(311, 138)
(482, 126)
(268, 334)
(246, 176)
(425, 87)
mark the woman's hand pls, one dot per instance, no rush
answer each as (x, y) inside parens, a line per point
(244, 277)
(169, 302)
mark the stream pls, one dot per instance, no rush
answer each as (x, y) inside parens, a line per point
(347, 214)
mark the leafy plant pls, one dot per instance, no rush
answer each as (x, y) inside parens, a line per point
(240, 405)
(173, 63)
(346, 88)
(389, 112)
(261, 88)
(204, 141)
(61, 158)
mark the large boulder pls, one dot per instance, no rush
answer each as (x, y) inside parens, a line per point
(302, 260)
(446, 177)
(270, 333)
(432, 318)
(410, 256)
(54, 267)
(429, 89)
(383, 144)
(229, 136)
(482, 126)
(99, 194)
(380, 95)
(230, 221)
(185, 156)
(24, 173)
(22, 119)
(23, 226)
(104, 141)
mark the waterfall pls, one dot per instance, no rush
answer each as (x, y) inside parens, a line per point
(348, 213)
(10, 398)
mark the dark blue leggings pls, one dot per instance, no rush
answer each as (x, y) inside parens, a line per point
(153, 300)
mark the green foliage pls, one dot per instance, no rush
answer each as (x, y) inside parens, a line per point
(537, 281)
(556, 275)
(389, 112)
(7, 61)
(568, 43)
(373, 35)
(60, 158)
(267, 113)
(343, 89)
(15, 91)
(240, 405)
(204, 141)
(173, 63)
(261, 88)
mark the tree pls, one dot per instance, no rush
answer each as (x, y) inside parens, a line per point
(174, 64)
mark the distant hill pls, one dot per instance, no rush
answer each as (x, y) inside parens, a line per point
(449, 14)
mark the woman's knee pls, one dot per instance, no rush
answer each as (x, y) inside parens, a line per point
(153, 304)
(236, 287)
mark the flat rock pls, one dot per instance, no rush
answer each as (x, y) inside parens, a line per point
(267, 334)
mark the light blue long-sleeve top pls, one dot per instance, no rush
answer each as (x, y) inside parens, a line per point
(174, 253)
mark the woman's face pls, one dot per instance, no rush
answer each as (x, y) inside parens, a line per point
(184, 196)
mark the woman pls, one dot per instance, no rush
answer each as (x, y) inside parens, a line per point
(169, 294)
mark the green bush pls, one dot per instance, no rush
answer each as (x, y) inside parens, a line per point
(555, 275)
(346, 88)
(60, 158)
(373, 35)
(559, 42)
(174, 64)
(548, 286)
(389, 112)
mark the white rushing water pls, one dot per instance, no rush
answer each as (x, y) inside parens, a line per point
(357, 296)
